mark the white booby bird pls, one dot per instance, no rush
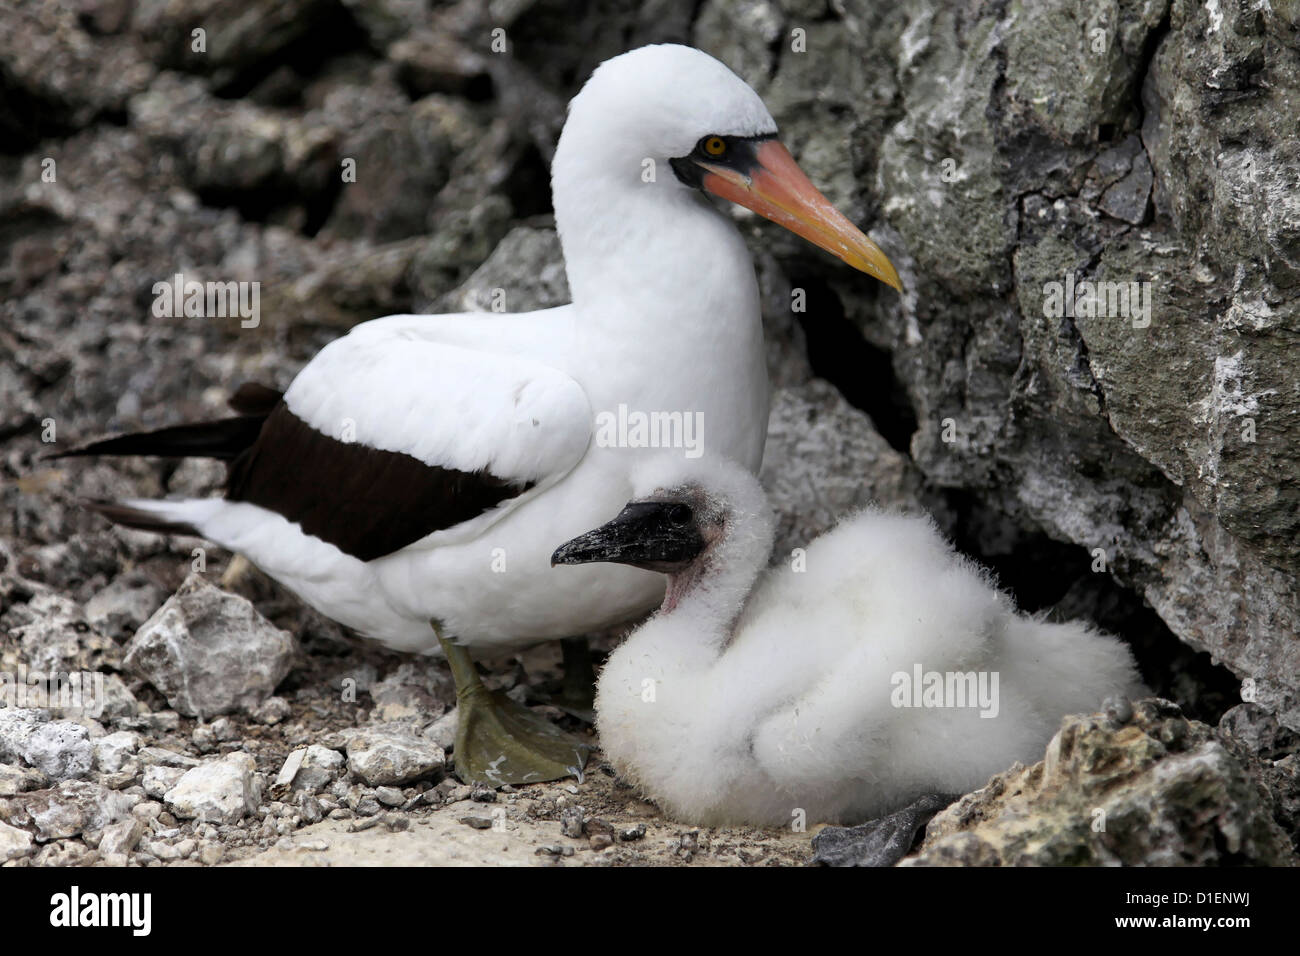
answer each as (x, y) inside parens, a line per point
(422, 467)
(812, 689)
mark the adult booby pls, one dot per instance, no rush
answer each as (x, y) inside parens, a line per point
(813, 690)
(422, 467)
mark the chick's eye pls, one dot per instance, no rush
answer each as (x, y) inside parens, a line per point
(680, 514)
(715, 145)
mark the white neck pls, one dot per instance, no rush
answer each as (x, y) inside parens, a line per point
(659, 242)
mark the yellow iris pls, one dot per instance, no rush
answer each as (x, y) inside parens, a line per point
(715, 146)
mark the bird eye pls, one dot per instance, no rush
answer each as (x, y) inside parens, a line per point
(680, 514)
(715, 145)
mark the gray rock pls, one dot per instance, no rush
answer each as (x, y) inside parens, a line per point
(217, 791)
(16, 780)
(413, 691)
(121, 837)
(1157, 791)
(825, 460)
(114, 750)
(310, 769)
(443, 730)
(124, 605)
(59, 749)
(70, 808)
(392, 755)
(210, 652)
(159, 779)
(14, 843)
(524, 272)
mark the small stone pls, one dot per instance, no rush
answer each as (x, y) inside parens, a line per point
(631, 834)
(219, 791)
(384, 755)
(60, 749)
(571, 822)
(146, 811)
(443, 730)
(158, 780)
(210, 652)
(271, 711)
(1118, 709)
(482, 793)
(310, 769)
(478, 822)
(15, 780)
(389, 796)
(224, 729)
(113, 750)
(210, 854)
(121, 837)
(14, 843)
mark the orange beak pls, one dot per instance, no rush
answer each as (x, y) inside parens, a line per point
(777, 189)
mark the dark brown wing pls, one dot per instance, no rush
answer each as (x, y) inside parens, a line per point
(365, 501)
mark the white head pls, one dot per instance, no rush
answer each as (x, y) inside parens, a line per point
(704, 522)
(667, 121)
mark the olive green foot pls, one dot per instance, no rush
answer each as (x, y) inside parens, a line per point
(499, 741)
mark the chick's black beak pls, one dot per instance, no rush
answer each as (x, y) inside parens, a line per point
(654, 535)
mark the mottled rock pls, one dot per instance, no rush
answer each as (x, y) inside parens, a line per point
(414, 690)
(825, 460)
(16, 780)
(210, 652)
(113, 750)
(69, 808)
(124, 605)
(310, 769)
(524, 272)
(60, 749)
(392, 755)
(217, 791)
(1159, 791)
(121, 837)
(14, 843)
(158, 780)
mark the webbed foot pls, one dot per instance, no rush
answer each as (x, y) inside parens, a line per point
(499, 741)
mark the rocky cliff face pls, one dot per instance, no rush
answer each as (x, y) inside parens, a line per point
(1095, 207)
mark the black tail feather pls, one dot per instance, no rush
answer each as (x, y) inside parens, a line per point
(224, 439)
(119, 513)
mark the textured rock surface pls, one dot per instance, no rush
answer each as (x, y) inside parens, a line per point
(1156, 790)
(217, 791)
(210, 652)
(389, 755)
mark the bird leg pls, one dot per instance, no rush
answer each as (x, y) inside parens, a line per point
(499, 741)
(577, 694)
(880, 842)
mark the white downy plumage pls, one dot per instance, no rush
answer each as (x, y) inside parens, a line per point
(665, 317)
(746, 699)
